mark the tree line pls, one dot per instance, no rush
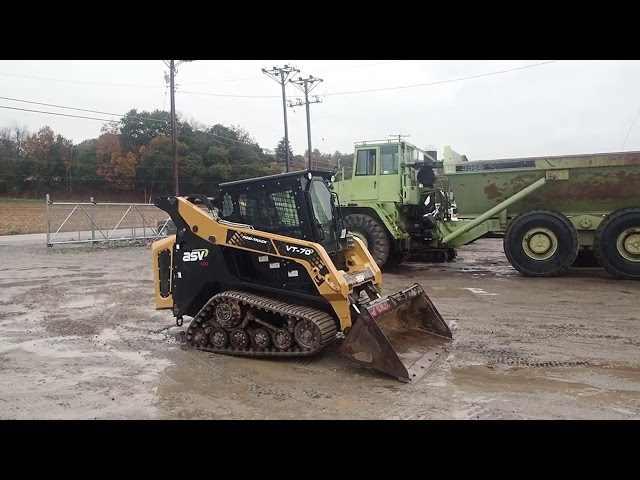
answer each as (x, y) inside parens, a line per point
(135, 155)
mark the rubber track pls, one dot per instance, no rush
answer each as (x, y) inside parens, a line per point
(430, 255)
(323, 321)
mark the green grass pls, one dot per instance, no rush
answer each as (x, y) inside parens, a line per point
(15, 231)
(21, 200)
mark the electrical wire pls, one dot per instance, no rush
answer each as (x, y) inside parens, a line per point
(156, 86)
(322, 70)
(446, 81)
(59, 114)
(77, 109)
(58, 106)
(630, 128)
(78, 81)
(262, 96)
(384, 88)
(277, 96)
(108, 120)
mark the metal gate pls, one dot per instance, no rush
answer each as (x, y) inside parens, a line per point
(98, 222)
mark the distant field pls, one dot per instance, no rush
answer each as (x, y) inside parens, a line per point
(22, 216)
(19, 217)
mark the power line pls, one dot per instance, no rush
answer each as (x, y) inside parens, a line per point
(100, 119)
(77, 109)
(630, 128)
(323, 70)
(228, 95)
(157, 86)
(78, 81)
(446, 81)
(276, 96)
(57, 106)
(386, 88)
(59, 114)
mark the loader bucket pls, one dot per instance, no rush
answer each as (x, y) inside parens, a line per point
(401, 334)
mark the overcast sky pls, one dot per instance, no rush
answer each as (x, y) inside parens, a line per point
(564, 107)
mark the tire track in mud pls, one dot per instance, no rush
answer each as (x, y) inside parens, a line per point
(546, 345)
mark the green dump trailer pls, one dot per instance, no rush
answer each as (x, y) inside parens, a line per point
(553, 212)
(550, 209)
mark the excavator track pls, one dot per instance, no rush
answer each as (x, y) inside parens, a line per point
(239, 323)
(433, 255)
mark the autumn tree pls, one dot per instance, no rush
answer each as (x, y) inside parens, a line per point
(135, 152)
(117, 169)
(46, 161)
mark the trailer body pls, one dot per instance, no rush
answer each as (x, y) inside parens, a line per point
(551, 210)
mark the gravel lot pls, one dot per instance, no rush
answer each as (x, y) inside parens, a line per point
(80, 339)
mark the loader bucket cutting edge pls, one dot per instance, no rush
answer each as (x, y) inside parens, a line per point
(402, 335)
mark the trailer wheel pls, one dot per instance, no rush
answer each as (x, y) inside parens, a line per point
(617, 243)
(541, 243)
(373, 235)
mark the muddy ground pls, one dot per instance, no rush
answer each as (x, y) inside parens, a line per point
(80, 339)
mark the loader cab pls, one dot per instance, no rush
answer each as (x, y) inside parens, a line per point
(385, 171)
(373, 167)
(295, 204)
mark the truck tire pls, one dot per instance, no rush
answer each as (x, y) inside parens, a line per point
(617, 243)
(372, 233)
(541, 243)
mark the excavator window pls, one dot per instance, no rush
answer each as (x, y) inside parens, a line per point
(388, 160)
(227, 205)
(366, 162)
(284, 204)
(323, 213)
(275, 212)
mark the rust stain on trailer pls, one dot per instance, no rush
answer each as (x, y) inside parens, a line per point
(590, 188)
(524, 179)
(492, 191)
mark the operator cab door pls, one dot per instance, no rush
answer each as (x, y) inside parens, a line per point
(365, 175)
(390, 177)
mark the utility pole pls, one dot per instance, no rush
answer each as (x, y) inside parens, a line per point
(306, 85)
(70, 165)
(174, 123)
(174, 129)
(281, 75)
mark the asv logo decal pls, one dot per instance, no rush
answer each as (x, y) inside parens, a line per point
(299, 250)
(195, 255)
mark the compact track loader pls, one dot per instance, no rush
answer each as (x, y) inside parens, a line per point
(267, 270)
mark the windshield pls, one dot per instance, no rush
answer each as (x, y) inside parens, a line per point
(323, 213)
